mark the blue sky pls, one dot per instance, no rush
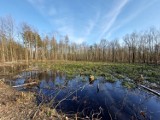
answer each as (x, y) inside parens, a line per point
(85, 20)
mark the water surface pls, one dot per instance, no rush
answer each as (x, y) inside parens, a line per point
(99, 99)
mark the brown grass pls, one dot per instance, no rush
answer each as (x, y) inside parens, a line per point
(18, 105)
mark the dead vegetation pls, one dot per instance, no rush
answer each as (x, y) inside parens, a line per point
(21, 105)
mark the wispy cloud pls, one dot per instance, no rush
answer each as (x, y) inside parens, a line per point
(136, 12)
(60, 17)
(55, 16)
(92, 23)
(112, 17)
(101, 19)
(38, 4)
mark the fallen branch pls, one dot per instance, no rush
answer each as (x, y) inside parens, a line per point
(27, 84)
(153, 91)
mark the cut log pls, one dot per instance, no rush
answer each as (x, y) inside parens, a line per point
(27, 84)
(153, 91)
(91, 78)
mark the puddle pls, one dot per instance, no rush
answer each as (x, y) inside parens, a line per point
(99, 99)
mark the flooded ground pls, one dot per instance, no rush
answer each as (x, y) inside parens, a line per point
(87, 100)
(11, 69)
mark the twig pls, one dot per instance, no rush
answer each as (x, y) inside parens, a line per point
(67, 97)
(32, 117)
(110, 115)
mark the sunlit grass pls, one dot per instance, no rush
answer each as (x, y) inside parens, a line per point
(117, 70)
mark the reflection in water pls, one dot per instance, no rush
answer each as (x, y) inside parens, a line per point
(95, 99)
(97, 88)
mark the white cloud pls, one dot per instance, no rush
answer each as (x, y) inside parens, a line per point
(91, 24)
(62, 20)
(62, 23)
(137, 11)
(38, 4)
(61, 17)
(112, 17)
(89, 27)
(79, 40)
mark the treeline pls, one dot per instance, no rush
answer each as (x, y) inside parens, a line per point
(27, 44)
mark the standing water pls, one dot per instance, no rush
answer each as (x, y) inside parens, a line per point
(99, 99)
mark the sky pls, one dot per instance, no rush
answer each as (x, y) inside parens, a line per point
(84, 20)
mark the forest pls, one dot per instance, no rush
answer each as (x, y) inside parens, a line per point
(24, 43)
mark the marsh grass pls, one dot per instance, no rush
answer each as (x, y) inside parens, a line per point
(110, 78)
(128, 85)
(117, 70)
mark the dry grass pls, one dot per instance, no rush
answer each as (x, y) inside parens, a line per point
(18, 105)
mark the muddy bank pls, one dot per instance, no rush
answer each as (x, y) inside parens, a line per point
(17, 105)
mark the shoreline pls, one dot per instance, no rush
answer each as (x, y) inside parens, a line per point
(15, 105)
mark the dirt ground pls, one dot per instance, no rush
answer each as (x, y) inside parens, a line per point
(17, 105)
